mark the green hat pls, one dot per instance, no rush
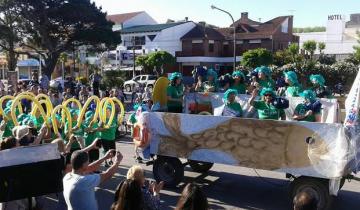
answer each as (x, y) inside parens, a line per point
(308, 94)
(89, 115)
(265, 91)
(318, 78)
(227, 94)
(291, 75)
(175, 76)
(211, 72)
(238, 74)
(74, 112)
(264, 69)
(9, 103)
(7, 110)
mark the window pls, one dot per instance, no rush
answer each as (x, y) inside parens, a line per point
(226, 48)
(152, 77)
(197, 41)
(140, 40)
(136, 78)
(211, 47)
(143, 78)
(255, 41)
(285, 26)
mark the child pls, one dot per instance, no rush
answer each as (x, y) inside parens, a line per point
(108, 135)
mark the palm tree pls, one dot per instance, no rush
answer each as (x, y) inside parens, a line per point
(310, 47)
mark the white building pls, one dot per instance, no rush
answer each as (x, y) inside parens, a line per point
(339, 37)
(127, 20)
(151, 38)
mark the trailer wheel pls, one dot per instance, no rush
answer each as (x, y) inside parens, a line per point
(319, 188)
(168, 169)
(199, 166)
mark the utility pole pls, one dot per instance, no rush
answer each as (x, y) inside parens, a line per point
(133, 43)
(214, 7)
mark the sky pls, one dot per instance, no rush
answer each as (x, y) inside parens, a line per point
(306, 12)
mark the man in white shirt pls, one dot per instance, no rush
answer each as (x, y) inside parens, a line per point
(79, 185)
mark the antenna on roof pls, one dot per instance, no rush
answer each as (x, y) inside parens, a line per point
(291, 11)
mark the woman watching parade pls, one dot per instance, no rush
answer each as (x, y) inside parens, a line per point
(175, 93)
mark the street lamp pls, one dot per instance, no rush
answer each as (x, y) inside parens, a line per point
(214, 7)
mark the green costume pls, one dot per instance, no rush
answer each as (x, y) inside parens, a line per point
(240, 87)
(267, 111)
(90, 136)
(211, 84)
(231, 108)
(110, 133)
(294, 89)
(175, 92)
(301, 110)
(268, 82)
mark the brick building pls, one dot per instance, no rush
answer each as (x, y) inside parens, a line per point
(213, 47)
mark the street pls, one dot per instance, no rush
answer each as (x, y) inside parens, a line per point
(227, 187)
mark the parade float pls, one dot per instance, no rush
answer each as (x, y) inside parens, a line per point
(314, 156)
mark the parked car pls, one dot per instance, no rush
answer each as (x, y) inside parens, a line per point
(144, 80)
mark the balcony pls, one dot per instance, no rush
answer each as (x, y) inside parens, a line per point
(190, 53)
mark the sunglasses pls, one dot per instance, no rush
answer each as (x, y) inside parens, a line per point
(268, 95)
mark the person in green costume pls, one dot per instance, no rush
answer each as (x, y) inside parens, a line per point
(7, 125)
(264, 79)
(211, 85)
(90, 134)
(310, 109)
(175, 93)
(108, 135)
(232, 108)
(266, 109)
(239, 82)
(294, 87)
(318, 86)
(77, 131)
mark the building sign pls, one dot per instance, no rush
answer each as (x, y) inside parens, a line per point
(335, 17)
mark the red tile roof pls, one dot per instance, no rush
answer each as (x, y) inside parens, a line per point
(121, 18)
(262, 31)
(201, 32)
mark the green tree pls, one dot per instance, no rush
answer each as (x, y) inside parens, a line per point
(56, 26)
(10, 32)
(142, 61)
(310, 47)
(321, 47)
(257, 57)
(282, 57)
(310, 29)
(158, 60)
(293, 49)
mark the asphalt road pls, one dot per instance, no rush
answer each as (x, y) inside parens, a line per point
(227, 187)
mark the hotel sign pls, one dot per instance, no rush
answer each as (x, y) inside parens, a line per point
(335, 17)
